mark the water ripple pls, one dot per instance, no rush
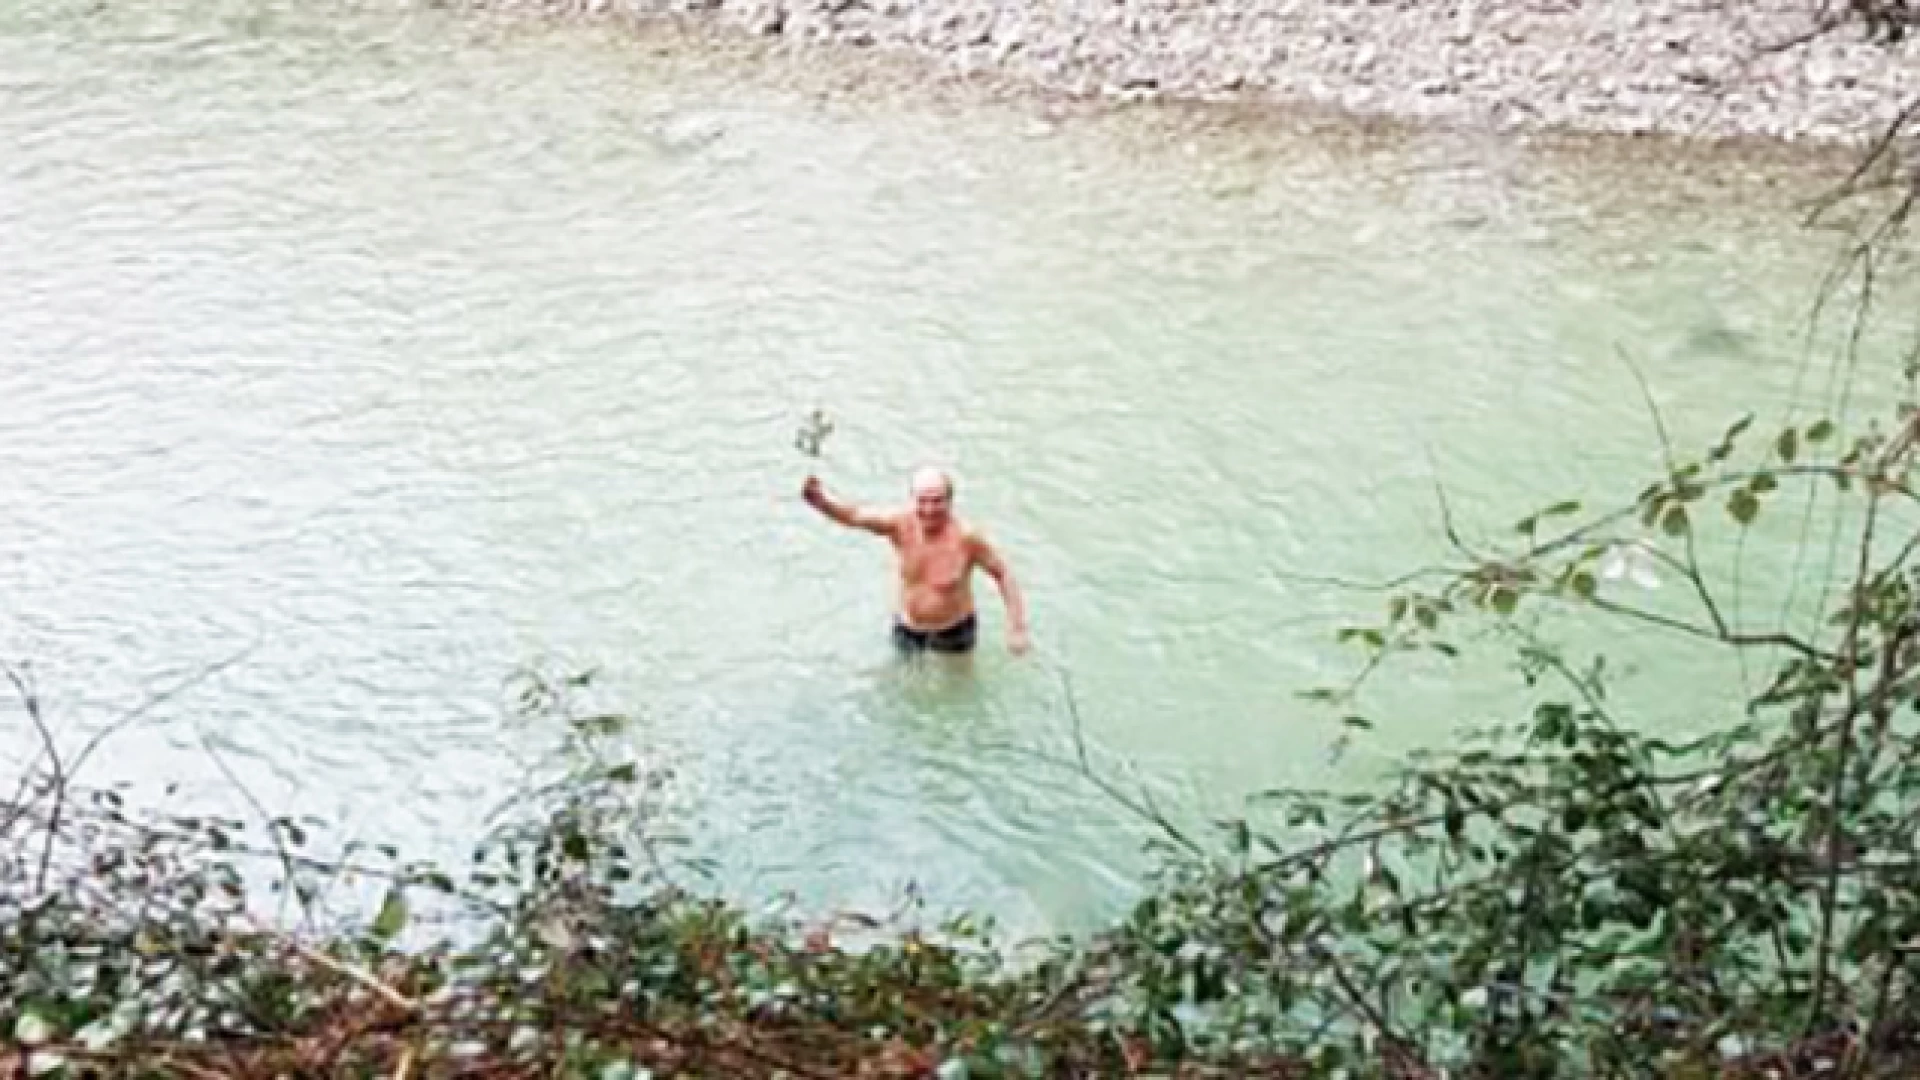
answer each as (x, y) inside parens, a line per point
(411, 357)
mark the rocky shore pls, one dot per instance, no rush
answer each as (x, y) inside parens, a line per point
(1701, 68)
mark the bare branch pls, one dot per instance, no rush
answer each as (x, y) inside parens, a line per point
(1836, 832)
(287, 865)
(386, 993)
(1354, 585)
(1144, 807)
(1878, 153)
(1826, 22)
(30, 701)
(153, 702)
(1653, 410)
(1447, 523)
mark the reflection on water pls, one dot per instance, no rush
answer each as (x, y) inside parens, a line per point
(403, 351)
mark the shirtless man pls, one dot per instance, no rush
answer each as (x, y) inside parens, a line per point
(938, 554)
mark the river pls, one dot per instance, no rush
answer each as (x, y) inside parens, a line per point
(390, 350)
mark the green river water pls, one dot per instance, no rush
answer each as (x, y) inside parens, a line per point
(398, 349)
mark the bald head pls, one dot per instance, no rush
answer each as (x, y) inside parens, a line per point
(932, 480)
(932, 497)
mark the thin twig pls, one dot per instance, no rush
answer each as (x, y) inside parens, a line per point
(1359, 1001)
(1877, 152)
(1825, 23)
(72, 769)
(31, 702)
(153, 702)
(1784, 640)
(1146, 810)
(17, 806)
(292, 877)
(346, 970)
(199, 1071)
(1830, 892)
(1355, 585)
(1653, 410)
(1447, 524)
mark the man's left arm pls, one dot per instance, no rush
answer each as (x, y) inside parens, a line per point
(989, 559)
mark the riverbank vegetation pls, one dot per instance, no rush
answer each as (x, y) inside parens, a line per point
(1570, 895)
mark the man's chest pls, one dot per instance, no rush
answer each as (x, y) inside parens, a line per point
(935, 562)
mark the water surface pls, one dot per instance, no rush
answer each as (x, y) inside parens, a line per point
(392, 351)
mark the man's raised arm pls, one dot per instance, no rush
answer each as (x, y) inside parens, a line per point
(853, 517)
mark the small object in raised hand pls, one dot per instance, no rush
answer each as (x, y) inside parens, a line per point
(813, 433)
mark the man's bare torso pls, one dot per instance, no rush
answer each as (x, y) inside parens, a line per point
(938, 554)
(936, 572)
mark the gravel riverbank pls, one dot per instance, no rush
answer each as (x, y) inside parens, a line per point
(1703, 68)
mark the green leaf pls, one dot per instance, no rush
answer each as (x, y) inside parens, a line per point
(623, 774)
(1675, 523)
(393, 916)
(1354, 720)
(1366, 635)
(1527, 525)
(601, 724)
(576, 846)
(1584, 584)
(1655, 505)
(1743, 506)
(1762, 483)
(1788, 445)
(1821, 431)
(1503, 599)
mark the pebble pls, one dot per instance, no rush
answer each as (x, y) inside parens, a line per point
(1646, 66)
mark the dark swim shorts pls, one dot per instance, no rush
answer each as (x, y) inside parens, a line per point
(957, 638)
